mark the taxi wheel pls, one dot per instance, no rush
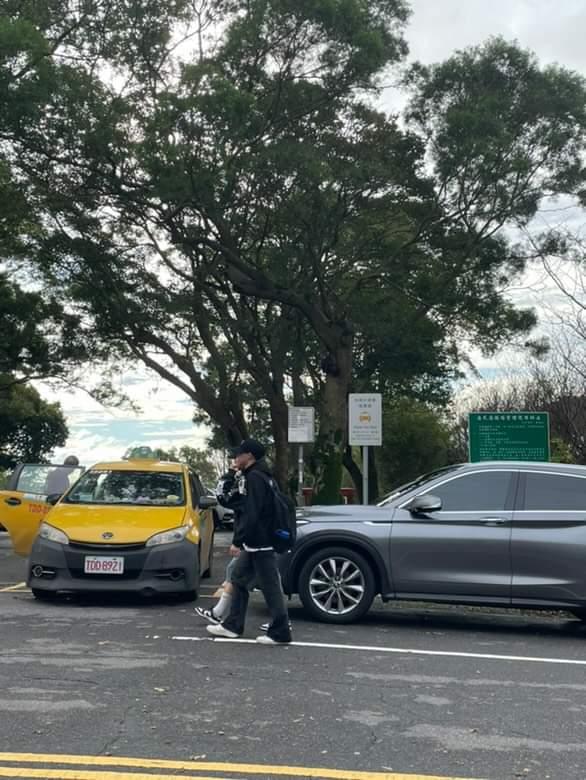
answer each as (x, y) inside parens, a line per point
(208, 572)
(186, 595)
(44, 595)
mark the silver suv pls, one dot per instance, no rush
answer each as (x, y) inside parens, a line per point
(507, 534)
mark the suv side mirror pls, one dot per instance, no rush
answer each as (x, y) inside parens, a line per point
(207, 502)
(421, 505)
(53, 498)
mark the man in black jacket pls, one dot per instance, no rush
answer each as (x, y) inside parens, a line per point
(252, 543)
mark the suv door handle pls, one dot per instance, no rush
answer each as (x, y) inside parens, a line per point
(494, 520)
(13, 501)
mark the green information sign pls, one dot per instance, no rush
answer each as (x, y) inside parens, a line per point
(508, 436)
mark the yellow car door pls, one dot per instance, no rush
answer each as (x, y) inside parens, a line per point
(204, 521)
(23, 505)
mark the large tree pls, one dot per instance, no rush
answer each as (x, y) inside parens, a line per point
(226, 214)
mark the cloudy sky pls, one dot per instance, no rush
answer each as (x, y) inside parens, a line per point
(553, 30)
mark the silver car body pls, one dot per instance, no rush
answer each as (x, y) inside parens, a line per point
(508, 533)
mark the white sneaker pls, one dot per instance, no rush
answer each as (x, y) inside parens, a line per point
(265, 626)
(221, 631)
(263, 639)
(208, 614)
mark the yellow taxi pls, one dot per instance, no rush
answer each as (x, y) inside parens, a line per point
(132, 526)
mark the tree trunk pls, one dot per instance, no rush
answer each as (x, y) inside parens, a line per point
(280, 426)
(355, 472)
(373, 490)
(333, 428)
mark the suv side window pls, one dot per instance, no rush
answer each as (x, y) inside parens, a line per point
(555, 492)
(481, 492)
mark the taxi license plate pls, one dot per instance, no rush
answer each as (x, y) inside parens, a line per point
(98, 564)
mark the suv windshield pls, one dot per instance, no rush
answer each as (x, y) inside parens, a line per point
(151, 488)
(415, 483)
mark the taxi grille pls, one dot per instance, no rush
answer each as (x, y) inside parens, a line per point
(99, 548)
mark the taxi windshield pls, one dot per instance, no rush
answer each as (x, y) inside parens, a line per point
(141, 488)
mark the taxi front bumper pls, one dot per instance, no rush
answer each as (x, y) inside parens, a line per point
(166, 568)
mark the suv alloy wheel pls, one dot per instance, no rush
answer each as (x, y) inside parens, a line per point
(336, 585)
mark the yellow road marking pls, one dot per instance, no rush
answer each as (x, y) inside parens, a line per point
(265, 770)
(17, 586)
(84, 774)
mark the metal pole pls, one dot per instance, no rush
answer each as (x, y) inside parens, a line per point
(300, 474)
(365, 475)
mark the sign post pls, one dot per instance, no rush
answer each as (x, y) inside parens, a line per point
(508, 436)
(301, 431)
(365, 428)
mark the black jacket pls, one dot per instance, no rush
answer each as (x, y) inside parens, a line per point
(252, 525)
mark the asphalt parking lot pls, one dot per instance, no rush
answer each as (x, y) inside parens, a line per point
(102, 688)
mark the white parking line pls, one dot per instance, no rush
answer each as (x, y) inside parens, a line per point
(400, 651)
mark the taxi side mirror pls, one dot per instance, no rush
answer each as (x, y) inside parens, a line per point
(53, 498)
(207, 502)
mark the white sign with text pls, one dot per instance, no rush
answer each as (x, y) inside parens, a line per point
(301, 424)
(365, 419)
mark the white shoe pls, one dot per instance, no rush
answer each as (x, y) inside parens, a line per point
(263, 639)
(221, 631)
(208, 614)
(265, 626)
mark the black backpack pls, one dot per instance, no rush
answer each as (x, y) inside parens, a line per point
(283, 519)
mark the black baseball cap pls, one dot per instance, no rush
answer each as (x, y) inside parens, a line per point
(254, 447)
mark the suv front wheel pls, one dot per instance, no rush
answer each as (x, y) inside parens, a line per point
(336, 585)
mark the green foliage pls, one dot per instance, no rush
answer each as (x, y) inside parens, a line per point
(415, 441)
(503, 132)
(327, 479)
(200, 461)
(39, 338)
(560, 451)
(30, 428)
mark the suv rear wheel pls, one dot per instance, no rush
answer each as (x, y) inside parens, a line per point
(336, 585)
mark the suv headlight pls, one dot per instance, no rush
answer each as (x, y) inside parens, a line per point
(52, 534)
(168, 537)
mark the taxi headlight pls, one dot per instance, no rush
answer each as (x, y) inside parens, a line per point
(52, 534)
(168, 537)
